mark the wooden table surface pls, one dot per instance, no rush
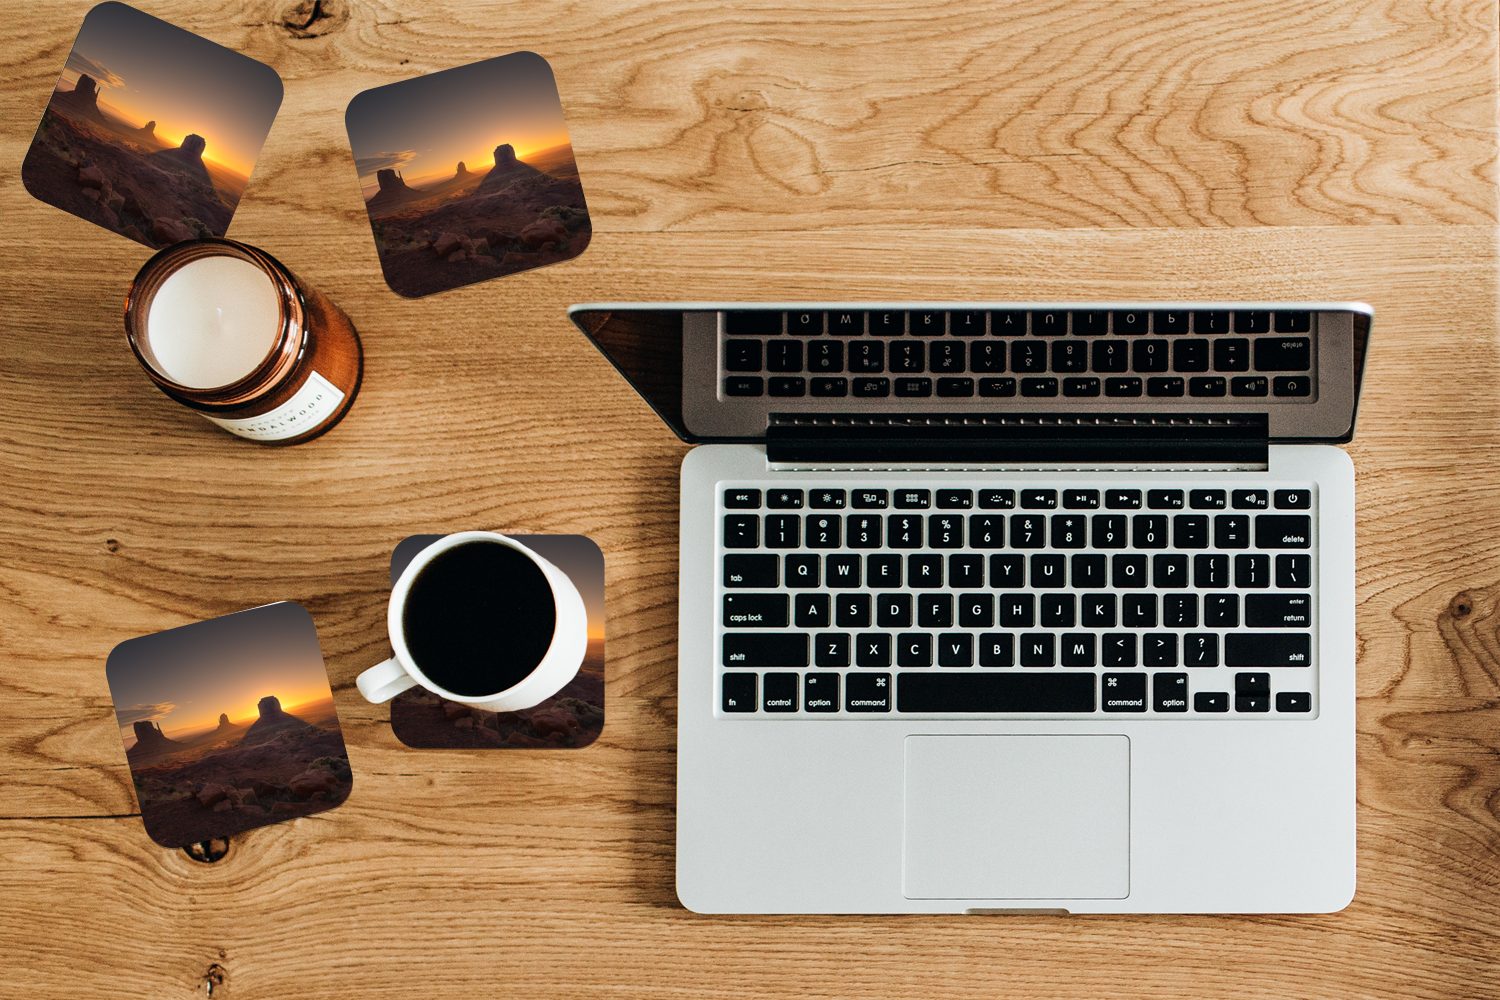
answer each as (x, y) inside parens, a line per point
(1044, 149)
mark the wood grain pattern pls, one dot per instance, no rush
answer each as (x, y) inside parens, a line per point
(1047, 148)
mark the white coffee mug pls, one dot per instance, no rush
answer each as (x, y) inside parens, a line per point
(558, 666)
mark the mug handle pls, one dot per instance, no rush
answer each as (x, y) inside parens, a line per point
(384, 681)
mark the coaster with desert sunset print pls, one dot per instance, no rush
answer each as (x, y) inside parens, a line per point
(151, 131)
(468, 174)
(229, 724)
(570, 719)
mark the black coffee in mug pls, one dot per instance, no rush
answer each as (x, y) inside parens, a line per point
(479, 618)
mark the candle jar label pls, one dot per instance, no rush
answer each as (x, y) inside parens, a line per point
(309, 406)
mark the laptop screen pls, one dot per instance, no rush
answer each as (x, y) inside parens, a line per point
(726, 371)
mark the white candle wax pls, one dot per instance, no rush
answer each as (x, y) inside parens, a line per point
(212, 322)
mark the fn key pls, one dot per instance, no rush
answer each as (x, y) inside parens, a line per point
(739, 693)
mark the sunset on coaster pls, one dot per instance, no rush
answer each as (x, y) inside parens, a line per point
(468, 174)
(152, 132)
(228, 724)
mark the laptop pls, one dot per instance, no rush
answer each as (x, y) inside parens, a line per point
(1010, 607)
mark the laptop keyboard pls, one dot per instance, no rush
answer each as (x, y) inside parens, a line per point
(1175, 601)
(1037, 354)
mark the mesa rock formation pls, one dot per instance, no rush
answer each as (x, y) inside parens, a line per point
(187, 157)
(506, 169)
(150, 743)
(393, 190)
(83, 99)
(273, 721)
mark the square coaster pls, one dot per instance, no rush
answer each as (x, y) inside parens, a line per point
(468, 174)
(152, 131)
(229, 724)
(570, 719)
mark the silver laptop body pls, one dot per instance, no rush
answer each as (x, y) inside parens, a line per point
(1010, 607)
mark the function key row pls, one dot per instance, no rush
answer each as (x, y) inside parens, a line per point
(1027, 499)
(1295, 387)
(1012, 322)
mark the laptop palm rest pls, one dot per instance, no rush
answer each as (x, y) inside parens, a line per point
(1017, 817)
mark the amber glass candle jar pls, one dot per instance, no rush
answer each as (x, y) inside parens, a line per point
(226, 330)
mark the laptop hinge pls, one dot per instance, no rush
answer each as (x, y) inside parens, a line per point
(1150, 440)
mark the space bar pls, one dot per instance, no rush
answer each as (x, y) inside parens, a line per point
(995, 693)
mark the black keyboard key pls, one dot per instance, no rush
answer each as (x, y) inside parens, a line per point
(1283, 354)
(1169, 322)
(828, 499)
(1007, 570)
(1070, 356)
(946, 357)
(1111, 356)
(741, 531)
(1190, 356)
(1253, 683)
(871, 499)
(804, 323)
(903, 531)
(824, 531)
(1077, 649)
(1190, 531)
(1017, 610)
(1099, 610)
(803, 572)
(1128, 572)
(868, 692)
(1252, 703)
(1122, 499)
(866, 357)
(893, 610)
(1166, 499)
(1252, 571)
(955, 499)
(1293, 701)
(1081, 386)
(1267, 649)
(820, 693)
(779, 693)
(987, 357)
(1249, 385)
(1200, 649)
(1165, 385)
(1278, 610)
(1292, 572)
(945, 531)
(846, 324)
(1251, 499)
(976, 610)
(1291, 385)
(751, 571)
(925, 323)
(752, 322)
(1211, 701)
(1123, 386)
(1169, 571)
(965, 571)
(1232, 354)
(1028, 356)
(997, 387)
(872, 649)
(1293, 321)
(1059, 610)
(1283, 531)
(1211, 322)
(883, 570)
(784, 356)
(997, 499)
(1209, 385)
(852, 611)
(886, 324)
(913, 649)
(1207, 499)
(830, 386)
(742, 356)
(966, 324)
(783, 531)
(913, 499)
(831, 649)
(1294, 499)
(785, 499)
(865, 531)
(1008, 323)
(744, 385)
(1109, 531)
(1090, 322)
(1169, 692)
(1117, 649)
(871, 388)
(997, 649)
(910, 387)
(1123, 692)
(999, 693)
(771, 649)
(1069, 531)
(1150, 355)
(1049, 324)
(955, 388)
(1090, 571)
(907, 357)
(1252, 321)
(1221, 610)
(1159, 649)
(824, 356)
(1130, 321)
(1138, 610)
(1037, 649)
(955, 649)
(741, 499)
(1039, 387)
(1080, 499)
(1149, 531)
(1038, 499)
(786, 385)
(756, 611)
(738, 693)
(842, 571)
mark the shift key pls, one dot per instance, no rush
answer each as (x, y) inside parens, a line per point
(1267, 649)
(747, 649)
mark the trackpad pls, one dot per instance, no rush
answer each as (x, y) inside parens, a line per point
(1017, 817)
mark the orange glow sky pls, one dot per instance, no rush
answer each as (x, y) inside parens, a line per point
(149, 70)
